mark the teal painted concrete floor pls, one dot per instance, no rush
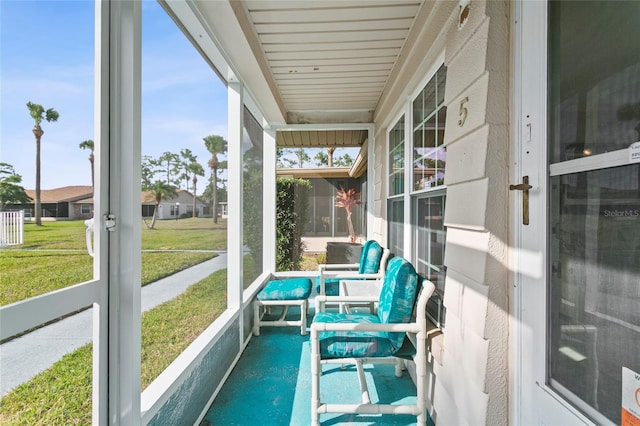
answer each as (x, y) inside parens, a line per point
(271, 385)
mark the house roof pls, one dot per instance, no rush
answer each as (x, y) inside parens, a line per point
(64, 194)
(84, 194)
(148, 197)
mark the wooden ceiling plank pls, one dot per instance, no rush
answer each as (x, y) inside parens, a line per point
(334, 54)
(327, 48)
(403, 23)
(374, 60)
(296, 13)
(334, 37)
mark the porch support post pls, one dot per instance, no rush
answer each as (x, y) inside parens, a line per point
(124, 203)
(234, 221)
(269, 198)
(371, 176)
(100, 368)
(408, 182)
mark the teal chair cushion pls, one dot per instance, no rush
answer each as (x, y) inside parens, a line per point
(369, 264)
(331, 286)
(370, 257)
(289, 289)
(398, 296)
(357, 344)
(397, 299)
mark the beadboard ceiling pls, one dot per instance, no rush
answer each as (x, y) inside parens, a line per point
(323, 61)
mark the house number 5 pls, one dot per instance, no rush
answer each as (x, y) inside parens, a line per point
(463, 111)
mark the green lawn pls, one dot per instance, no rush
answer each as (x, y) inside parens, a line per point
(61, 395)
(54, 256)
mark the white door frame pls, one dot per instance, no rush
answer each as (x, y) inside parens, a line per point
(532, 401)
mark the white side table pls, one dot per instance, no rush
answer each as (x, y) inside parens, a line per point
(359, 288)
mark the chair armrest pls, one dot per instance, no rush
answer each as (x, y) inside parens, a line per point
(344, 275)
(321, 300)
(317, 327)
(328, 266)
(351, 274)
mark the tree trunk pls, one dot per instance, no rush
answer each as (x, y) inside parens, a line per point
(352, 232)
(330, 152)
(214, 195)
(195, 181)
(93, 179)
(153, 218)
(37, 131)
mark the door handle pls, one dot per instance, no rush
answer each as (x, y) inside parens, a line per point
(524, 187)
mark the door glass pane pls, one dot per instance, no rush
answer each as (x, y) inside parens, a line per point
(594, 59)
(594, 108)
(594, 284)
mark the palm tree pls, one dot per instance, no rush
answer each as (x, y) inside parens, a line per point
(160, 190)
(38, 114)
(196, 169)
(88, 144)
(215, 145)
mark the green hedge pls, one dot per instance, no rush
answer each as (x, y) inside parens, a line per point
(292, 214)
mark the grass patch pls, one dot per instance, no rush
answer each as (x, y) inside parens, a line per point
(183, 234)
(186, 234)
(156, 265)
(29, 274)
(168, 329)
(54, 255)
(62, 394)
(309, 263)
(54, 235)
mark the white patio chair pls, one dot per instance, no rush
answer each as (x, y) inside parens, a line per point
(367, 338)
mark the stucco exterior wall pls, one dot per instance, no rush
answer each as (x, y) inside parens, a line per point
(473, 377)
(469, 374)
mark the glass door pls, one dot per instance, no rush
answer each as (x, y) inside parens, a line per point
(586, 196)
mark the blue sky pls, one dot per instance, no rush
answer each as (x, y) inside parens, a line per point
(47, 57)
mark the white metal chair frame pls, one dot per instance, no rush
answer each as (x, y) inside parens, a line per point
(344, 271)
(418, 328)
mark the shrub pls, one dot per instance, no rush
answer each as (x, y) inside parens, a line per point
(291, 217)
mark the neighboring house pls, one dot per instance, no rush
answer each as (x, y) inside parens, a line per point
(68, 202)
(76, 203)
(173, 208)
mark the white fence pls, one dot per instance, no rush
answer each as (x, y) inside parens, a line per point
(11, 228)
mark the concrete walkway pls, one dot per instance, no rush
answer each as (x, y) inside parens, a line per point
(24, 357)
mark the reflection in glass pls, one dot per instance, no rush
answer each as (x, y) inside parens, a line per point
(429, 116)
(594, 284)
(396, 158)
(594, 295)
(395, 213)
(429, 239)
(253, 157)
(594, 69)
